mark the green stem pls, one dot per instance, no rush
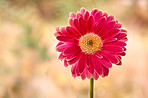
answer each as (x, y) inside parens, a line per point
(91, 87)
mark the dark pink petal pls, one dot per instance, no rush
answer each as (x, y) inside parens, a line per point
(100, 25)
(58, 29)
(73, 69)
(98, 55)
(63, 31)
(90, 22)
(70, 50)
(61, 57)
(61, 47)
(119, 61)
(118, 25)
(110, 18)
(111, 34)
(73, 61)
(77, 26)
(86, 15)
(122, 54)
(105, 14)
(105, 71)
(111, 57)
(95, 76)
(88, 74)
(113, 49)
(72, 32)
(118, 43)
(82, 64)
(83, 76)
(82, 11)
(60, 43)
(79, 15)
(97, 16)
(71, 22)
(97, 66)
(107, 28)
(91, 65)
(110, 40)
(58, 34)
(123, 31)
(65, 38)
(73, 54)
(105, 62)
(124, 48)
(65, 63)
(83, 24)
(121, 36)
(94, 11)
(72, 15)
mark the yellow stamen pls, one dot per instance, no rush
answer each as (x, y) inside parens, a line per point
(90, 43)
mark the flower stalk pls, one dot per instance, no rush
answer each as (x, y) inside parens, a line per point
(92, 88)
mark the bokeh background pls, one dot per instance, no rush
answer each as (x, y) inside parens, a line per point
(29, 67)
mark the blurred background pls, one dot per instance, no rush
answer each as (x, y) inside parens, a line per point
(29, 67)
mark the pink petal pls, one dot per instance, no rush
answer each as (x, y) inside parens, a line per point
(90, 23)
(79, 15)
(72, 15)
(111, 34)
(82, 11)
(65, 63)
(111, 57)
(58, 34)
(113, 48)
(73, 54)
(70, 50)
(83, 76)
(105, 62)
(121, 36)
(94, 11)
(98, 55)
(118, 25)
(72, 32)
(73, 70)
(97, 16)
(105, 72)
(107, 28)
(88, 74)
(118, 43)
(86, 15)
(71, 22)
(110, 18)
(110, 40)
(77, 26)
(83, 25)
(95, 76)
(122, 54)
(65, 38)
(82, 64)
(91, 65)
(75, 60)
(63, 31)
(61, 47)
(100, 25)
(98, 66)
(61, 57)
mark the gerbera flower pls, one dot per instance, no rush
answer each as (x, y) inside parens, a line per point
(91, 44)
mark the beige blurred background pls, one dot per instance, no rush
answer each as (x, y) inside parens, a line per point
(29, 67)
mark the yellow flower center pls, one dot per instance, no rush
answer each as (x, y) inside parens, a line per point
(90, 43)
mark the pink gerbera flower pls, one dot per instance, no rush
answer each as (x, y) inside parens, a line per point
(91, 44)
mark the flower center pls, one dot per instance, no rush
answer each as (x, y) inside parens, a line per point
(90, 43)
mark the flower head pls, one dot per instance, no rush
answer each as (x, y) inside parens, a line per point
(91, 44)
